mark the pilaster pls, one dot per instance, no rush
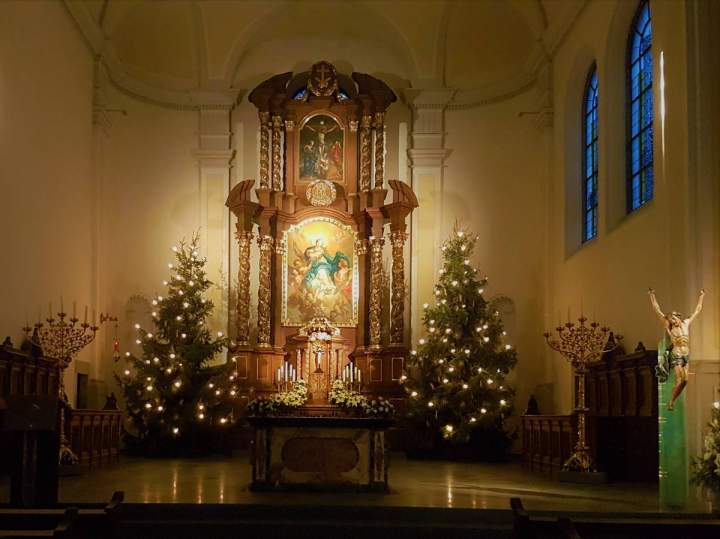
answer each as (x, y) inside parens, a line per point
(214, 157)
(427, 154)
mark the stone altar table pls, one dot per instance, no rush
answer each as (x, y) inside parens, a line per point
(319, 453)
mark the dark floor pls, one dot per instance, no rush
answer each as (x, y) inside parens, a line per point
(413, 484)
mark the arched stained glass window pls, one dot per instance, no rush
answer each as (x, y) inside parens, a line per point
(640, 121)
(590, 157)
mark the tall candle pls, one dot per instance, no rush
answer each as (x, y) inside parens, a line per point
(61, 305)
(50, 310)
(74, 309)
(85, 319)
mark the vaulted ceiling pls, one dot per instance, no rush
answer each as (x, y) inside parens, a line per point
(205, 52)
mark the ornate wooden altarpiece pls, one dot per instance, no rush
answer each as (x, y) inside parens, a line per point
(320, 223)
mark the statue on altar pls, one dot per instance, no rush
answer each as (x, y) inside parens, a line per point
(677, 356)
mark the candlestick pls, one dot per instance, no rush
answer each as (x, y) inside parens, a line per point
(580, 344)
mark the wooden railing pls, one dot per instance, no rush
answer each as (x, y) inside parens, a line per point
(622, 423)
(25, 373)
(547, 441)
(94, 435)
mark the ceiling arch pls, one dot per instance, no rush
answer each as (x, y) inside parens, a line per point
(193, 52)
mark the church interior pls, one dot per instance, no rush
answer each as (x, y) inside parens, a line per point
(427, 268)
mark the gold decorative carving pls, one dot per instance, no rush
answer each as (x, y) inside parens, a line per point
(397, 294)
(376, 278)
(244, 239)
(323, 79)
(266, 244)
(264, 150)
(321, 193)
(379, 149)
(361, 247)
(365, 153)
(354, 125)
(289, 125)
(277, 124)
(280, 247)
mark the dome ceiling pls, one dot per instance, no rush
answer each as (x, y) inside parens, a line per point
(188, 51)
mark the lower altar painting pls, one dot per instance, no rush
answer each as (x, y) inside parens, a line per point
(320, 273)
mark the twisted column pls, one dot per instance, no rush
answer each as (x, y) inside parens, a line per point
(397, 294)
(264, 150)
(242, 322)
(365, 153)
(266, 244)
(375, 307)
(277, 125)
(379, 149)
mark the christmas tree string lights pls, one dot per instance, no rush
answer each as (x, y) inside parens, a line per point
(456, 377)
(172, 392)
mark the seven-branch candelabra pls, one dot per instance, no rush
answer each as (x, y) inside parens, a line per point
(580, 344)
(62, 337)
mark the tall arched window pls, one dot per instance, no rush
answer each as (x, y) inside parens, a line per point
(590, 157)
(640, 121)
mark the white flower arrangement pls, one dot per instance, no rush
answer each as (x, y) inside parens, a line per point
(343, 396)
(280, 402)
(705, 470)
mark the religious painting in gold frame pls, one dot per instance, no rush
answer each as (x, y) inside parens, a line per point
(320, 273)
(322, 149)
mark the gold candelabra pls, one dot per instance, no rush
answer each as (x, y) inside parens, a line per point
(62, 337)
(580, 344)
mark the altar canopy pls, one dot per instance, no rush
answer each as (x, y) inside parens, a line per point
(320, 220)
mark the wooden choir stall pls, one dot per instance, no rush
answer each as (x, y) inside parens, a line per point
(321, 220)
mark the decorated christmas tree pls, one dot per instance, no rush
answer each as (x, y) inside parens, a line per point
(706, 468)
(174, 397)
(456, 377)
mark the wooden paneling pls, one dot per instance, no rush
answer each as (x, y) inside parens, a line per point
(622, 426)
(94, 435)
(547, 441)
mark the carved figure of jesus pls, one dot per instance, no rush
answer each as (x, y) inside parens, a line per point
(678, 329)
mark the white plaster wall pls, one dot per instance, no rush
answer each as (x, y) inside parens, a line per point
(150, 200)
(668, 244)
(46, 184)
(494, 185)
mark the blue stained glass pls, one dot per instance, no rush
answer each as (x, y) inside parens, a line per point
(647, 111)
(640, 124)
(635, 157)
(647, 144)
(590, 156)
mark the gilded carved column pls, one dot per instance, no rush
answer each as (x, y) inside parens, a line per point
(397, 294)
(266, 244)
(365, 152)
(244, 239)
(264, 151)
(277, 125)
(379, 149)
(375, 307)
